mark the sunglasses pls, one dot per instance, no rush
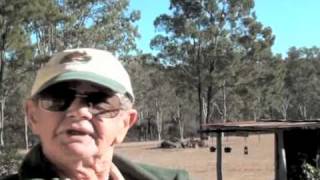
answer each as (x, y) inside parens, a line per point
(58, 98)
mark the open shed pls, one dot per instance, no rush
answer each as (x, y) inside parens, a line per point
(295, 142)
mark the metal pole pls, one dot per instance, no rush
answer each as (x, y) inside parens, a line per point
(219, 156)
(280, 157)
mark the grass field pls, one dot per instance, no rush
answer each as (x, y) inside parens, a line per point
(258, 164)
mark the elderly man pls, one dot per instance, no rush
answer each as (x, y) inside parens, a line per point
(81, 107)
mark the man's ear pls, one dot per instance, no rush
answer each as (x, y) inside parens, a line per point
(30, 108)
(128, 122)
(133, 117)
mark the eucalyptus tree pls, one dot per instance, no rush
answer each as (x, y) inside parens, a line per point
(31, 30)
(162, 98)
(278, 97)
(14, 48)
(85, 23)
(209, 39)
(302, 80)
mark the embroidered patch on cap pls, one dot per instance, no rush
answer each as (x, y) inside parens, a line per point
(75, 57)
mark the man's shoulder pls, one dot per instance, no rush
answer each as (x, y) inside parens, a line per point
(166, 173)
(141, 171)
(10, 177)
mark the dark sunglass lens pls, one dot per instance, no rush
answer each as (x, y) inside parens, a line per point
(56, 99)
(97, 97)
(53, 104)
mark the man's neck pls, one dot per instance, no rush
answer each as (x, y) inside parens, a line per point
(95, 168)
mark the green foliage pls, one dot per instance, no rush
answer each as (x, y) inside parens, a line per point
(158, 89)
(87, 23)
(217, 44)
(309, 172)
(9, 161)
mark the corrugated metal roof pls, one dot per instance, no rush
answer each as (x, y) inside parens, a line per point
(265, 126)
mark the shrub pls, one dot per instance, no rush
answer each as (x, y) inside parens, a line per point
(9, 161)
(310, 172)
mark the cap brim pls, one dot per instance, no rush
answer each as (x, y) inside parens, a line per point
(85, 76)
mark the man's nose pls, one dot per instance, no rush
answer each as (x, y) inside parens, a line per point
(79, 109)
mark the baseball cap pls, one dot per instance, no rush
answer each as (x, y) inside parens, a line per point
(84, 64)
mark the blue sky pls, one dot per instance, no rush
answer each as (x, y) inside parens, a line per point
(293, 22)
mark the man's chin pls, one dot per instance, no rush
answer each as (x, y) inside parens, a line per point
(81, 149)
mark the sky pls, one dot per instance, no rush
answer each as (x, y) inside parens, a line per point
(293, 22)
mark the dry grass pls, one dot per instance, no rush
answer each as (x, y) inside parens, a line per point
(201, 163)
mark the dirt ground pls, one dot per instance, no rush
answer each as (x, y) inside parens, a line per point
(258, 164)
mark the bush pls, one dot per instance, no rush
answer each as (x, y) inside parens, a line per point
(9, 161)
(310, 172)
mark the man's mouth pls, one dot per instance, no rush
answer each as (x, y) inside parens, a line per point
(75, 133)
(72, 132)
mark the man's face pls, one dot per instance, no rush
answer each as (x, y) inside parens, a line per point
(88, 125)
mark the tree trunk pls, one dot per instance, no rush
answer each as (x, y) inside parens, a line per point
(284, 108)
(199, 89)
(141, 127)
(26, 138)
(224, 102)
(2, 122)
(2, 64)
(204, 110)
(209, 109)
(149, 128)
(303, 111)
(257, 108)
(158, 119)
(200, 104)
(181, 123)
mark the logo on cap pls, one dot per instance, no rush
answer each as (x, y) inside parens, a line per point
(75, 57)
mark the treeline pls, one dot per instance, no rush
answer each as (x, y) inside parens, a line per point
(212, 63)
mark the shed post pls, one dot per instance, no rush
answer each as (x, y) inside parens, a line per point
(219, 155)
(280, 157)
